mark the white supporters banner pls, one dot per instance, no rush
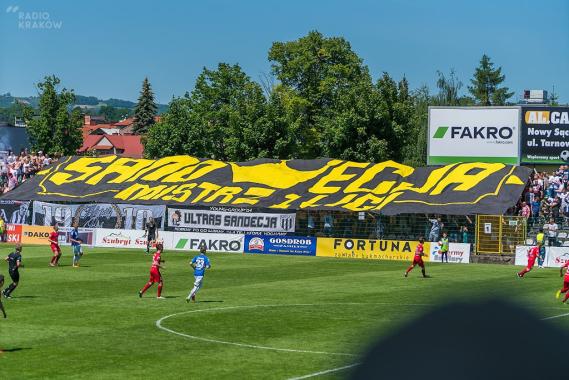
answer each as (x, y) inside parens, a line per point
(457, 253)
(473, 134)
(214, 242)
(555, 257)
(97, 215)
(115, 238)
(230, 220)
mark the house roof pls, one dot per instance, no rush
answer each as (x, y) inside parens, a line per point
(130, 145)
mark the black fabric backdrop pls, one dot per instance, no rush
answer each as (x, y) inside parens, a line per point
(324, 184)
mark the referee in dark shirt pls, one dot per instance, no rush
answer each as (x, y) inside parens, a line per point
(14, 260)
(151, 231)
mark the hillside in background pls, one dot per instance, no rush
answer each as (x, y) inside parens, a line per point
(88, 102)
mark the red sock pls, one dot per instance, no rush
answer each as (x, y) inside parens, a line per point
(159, 289)
(410, 269)
(566, 296)
(52, 261)
(564, 290)
(148, 285)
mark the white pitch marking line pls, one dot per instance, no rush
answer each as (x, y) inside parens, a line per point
(325, 372)
(555, 316)
(159, 325)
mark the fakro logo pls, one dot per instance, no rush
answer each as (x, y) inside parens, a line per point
(484, 133)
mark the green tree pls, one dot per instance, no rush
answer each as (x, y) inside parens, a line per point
(317, 72)
(223, 118)
(145, 110)
(55, 130)
(114, 114)
(486, 84)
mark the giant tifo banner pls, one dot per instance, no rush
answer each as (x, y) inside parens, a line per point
(325, 184)
(473, 134)
(369, 249)
(230, 220)
(97, 215)
(545, 135)
(16, 212)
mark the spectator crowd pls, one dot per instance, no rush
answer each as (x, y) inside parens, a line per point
(546, 197)
(16, 169)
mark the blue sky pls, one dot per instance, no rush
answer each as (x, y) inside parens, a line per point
(106, 48)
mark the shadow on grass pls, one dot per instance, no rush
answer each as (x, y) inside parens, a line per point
(2, 350)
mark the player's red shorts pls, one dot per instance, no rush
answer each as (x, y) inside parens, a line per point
(418, 260)
(531, 263)
(155, 275)
(55, 249)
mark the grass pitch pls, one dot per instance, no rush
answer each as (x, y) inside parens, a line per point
(266, 317)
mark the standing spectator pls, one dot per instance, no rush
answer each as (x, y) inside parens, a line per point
(2, 229)
(310, 224)
(535, 207)
(328, 224)
(525, 210)
(436, 227)
(550, 230)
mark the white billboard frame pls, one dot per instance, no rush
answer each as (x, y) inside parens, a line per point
(517, 141)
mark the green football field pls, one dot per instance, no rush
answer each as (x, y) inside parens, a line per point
(265, 317)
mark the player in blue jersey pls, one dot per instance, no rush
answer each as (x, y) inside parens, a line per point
(200, 263)
(76, 245)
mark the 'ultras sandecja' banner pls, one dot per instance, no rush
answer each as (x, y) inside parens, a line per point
(326, 184)
(230, 220)
(545, 135)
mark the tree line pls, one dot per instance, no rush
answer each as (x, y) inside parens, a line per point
(319, 101)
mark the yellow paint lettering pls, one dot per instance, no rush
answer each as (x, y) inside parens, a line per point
(181, 194)
(84, 165)
(336, 175)
(226, 193)
(255, 193)
(465, 181)
(208, 188)
(193, 172)
(124, 167)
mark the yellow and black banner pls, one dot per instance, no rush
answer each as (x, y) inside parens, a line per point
(369, 249)
(327, 184)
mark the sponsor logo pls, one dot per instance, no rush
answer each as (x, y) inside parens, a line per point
(211, 245)
(290, 241)
(257, 244)
(373, 245)
(32, 234)
(546, 117)
(116, 239)
(483, 133)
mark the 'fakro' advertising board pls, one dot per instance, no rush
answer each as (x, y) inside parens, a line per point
(473, 134)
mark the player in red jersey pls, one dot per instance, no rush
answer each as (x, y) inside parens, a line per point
(565, 288)
(418, 258)
(533, 253)
(155, 275)
(54, 243)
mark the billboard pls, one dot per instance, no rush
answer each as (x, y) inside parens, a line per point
(97, 215)
(473, 134)
(458, 253)
(280, 245)
(214, 242)
(545, 135)
(230, 220)
(369, 249)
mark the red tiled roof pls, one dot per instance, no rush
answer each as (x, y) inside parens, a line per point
(130, 145)
(125, 122)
